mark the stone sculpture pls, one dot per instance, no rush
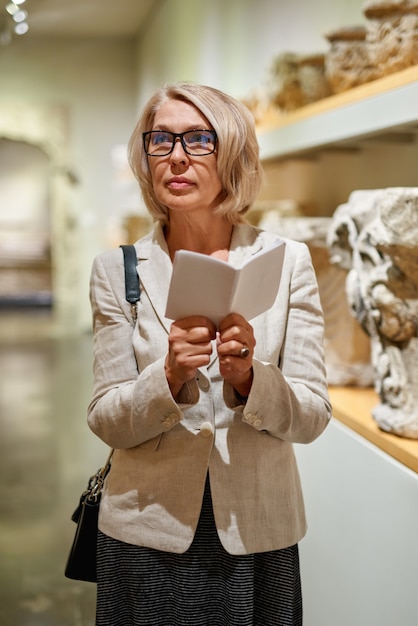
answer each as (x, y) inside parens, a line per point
(376, 233)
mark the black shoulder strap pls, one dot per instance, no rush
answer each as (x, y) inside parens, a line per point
(132, 289)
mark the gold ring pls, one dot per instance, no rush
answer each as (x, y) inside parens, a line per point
(244, 352)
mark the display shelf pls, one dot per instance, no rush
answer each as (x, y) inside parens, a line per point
(353, 407)
(389, 104)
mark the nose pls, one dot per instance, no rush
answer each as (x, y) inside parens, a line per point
(178, 153)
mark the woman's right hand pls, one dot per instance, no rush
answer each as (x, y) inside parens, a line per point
(189, 347)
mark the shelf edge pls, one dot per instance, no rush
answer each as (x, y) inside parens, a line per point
(353, 407)
(369, 109)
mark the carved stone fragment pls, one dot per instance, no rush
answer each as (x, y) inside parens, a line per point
(312, 78)
(347, 63)
(392, 34)
(378, 229)
(283, 86)
(296, 80)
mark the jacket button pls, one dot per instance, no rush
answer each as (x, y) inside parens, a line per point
(169, 421)
(253, 419)
(206, 430)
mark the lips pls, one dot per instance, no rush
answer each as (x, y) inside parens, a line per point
(179, 182)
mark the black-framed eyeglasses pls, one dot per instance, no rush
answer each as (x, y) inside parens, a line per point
(199, 142)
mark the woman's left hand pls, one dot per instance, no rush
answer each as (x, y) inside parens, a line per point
(235, 343)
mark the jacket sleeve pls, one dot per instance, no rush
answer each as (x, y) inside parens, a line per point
(289, 399)
(128, 406)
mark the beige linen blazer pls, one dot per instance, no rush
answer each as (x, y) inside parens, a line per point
(165, 449)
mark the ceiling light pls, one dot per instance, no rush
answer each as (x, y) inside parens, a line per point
(20, 16)
(21, 28)
(18, 1)
(11, 8)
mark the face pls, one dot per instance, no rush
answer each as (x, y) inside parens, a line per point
(183, 182)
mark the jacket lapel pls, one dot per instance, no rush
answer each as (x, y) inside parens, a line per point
(244, 244)
(154, 270)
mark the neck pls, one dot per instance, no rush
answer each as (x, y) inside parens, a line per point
(212, 236)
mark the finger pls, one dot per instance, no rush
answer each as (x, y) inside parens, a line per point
(235, 328)
(184, 358)
(236, 349)
(231, 320)
(239, 343)
(196, 321)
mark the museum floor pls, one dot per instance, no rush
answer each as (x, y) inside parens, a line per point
(46, 456)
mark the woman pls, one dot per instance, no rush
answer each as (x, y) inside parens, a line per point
(202, 509)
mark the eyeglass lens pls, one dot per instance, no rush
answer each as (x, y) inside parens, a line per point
(194, 142)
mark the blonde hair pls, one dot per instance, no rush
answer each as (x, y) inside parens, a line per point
(238, 162)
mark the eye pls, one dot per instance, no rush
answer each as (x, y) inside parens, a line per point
(202, 137)
(161, 137)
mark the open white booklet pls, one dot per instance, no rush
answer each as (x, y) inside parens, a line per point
(202, 285)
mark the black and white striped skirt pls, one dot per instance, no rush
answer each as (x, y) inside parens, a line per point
(205, 586)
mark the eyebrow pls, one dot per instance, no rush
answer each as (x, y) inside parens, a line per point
(194, 127)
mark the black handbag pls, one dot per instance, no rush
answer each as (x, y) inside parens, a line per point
(81, 561)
